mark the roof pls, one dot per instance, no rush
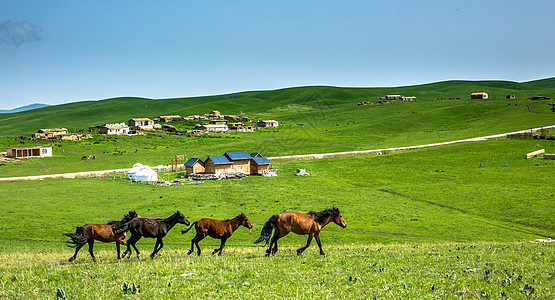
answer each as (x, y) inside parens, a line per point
(141, 119)
(214, 126)
(261, 161)
(480, 93)
(192, 161)
(234, 155)
(218, 160)
(255, 154)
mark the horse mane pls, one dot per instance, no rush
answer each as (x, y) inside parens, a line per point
(130, 216)
(322, 215)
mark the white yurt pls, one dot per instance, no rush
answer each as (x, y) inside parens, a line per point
(142, 173)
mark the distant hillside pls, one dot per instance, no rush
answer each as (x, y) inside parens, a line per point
(320, 100)
(24, 108)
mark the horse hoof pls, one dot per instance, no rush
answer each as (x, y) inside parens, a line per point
(189, 253)
(71, 259)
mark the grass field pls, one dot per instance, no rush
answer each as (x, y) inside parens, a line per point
(445, 222)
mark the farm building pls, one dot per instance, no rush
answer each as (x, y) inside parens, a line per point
(141, 124)
(480, 95)
(166, 119)
(267, 123)
(29, 152)
(194, 166)
(393, 97)
(259, 164)
(217, 164)
(116, 128)
(213, 128)
(241, 160)
(240, 127)
(45, 134)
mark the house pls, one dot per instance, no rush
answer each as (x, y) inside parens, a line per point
(480, 95)
(213, 128)
(240, 127)
(29, 152)
(267, 123)
(194, 166)
(141, 124)
(259, 164)
(217, 164)
(166, 119)
(46, 134)
(408, 98)
(510, 97)
(241, 160)
(116, 128)
(218, 122)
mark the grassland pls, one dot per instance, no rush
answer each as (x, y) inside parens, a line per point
(444, 222)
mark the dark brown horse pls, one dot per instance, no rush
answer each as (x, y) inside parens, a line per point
(101, 232)
(151, 228)
(221, 230)
(300, 223)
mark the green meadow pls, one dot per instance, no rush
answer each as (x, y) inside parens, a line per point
(446, 222)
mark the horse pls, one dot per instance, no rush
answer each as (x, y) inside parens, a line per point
(101, 232)
(150, 228)
(300, 223)
(221, 230)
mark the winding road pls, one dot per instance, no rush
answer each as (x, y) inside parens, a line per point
(304, 156)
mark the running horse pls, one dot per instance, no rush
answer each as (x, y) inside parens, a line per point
(310, 223)
(221, 230)
(150, 228)
(87, 233)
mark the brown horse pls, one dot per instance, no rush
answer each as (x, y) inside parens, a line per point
(150, 228)
(221, 230)
(101, 232)
(300, 223)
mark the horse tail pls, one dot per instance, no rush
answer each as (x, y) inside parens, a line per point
(79, 238)
(266, 232)
(185, 231)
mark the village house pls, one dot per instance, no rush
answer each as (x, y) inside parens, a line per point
(217, 164)
(212, 128)
(141, 124)
(166, 119)
(194, 166)
(38, 151)
(259, 163)
(46, 134)
(480, 95)
(393, 97)
(116, 128)
(267, 123)
(239, 127)
(241, 161)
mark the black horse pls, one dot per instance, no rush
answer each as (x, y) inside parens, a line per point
(150, 228)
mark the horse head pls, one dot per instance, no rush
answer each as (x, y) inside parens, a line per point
(181, 218)
(245, 221)
(338, 218)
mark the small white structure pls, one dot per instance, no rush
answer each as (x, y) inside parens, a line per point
(268, 123)
(302, 172)
(142, 173)
(116, 128)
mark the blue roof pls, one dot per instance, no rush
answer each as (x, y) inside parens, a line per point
(220, 160)
(233, 155)
(261, 161)
(254, 154)
(191, 162)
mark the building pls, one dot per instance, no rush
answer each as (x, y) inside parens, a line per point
(29, 152)
(267, 123)
(141, 124)
(240, 127)
(47, 134)
(241, 161)
(220, 128)
(166, 119)
(393, 97)
(217, 164)
(480, 95)
(116, 128)
(194, 166)
(259, 164)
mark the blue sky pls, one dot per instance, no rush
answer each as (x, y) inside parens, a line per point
(56, 51)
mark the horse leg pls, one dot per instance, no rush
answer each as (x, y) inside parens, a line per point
(317, 237)
(272, 241)
(301, 250)
(117, 247)
(277, 235)
(75, 255)
(159, 244)
(194, 241)
(222, 244)
(91, 245)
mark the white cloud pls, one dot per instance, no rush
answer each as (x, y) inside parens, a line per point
(17, 33)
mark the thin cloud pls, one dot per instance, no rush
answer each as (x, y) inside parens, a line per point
(17, 33)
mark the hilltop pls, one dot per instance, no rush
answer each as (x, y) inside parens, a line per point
(23, 108)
